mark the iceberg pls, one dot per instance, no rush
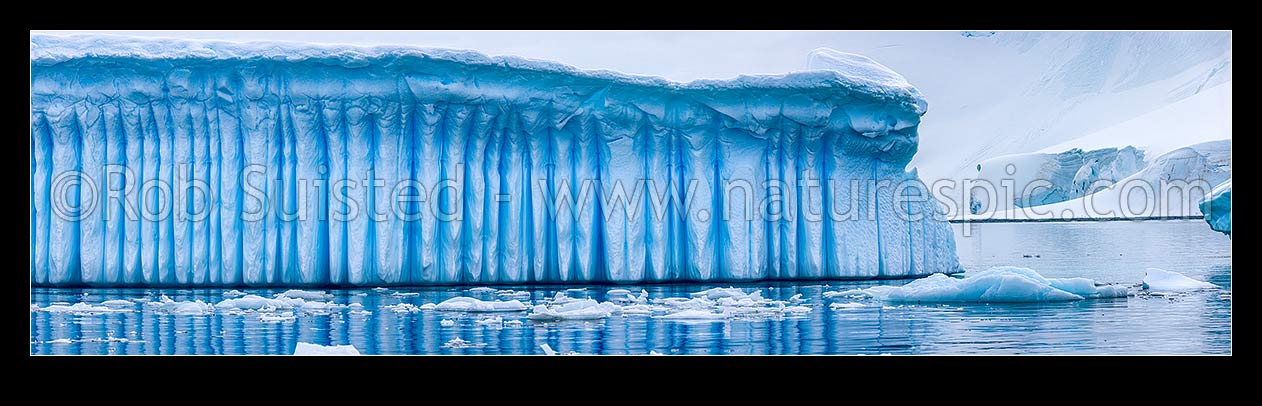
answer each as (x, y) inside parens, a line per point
(1000, 284)
(1160, 280)
(161, 163)
(1217, 208)
(167, 305)
(471, 305)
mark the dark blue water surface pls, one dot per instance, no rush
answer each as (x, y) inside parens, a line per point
(1115, 252)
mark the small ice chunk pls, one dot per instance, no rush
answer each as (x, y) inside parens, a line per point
(796, 298)
(256, 302)
(583, 309)
(233, 293)
(481, 289)
(472, 305)
(718, 293)
(428, 306)
(304, 294)
(849, 305)
(518, 295)
(547, 349)
(1165, 281)
(637, 309)
(618, 292)
(493, 321)
(405, 294)
(997, 284)
(81, 308)
(168, 306)
(462, 343)
(317, 349)
(402, 308)
(447, 323)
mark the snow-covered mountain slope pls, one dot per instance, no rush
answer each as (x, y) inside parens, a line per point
(1172, 185)
(1200, 118)
(1036, 179)
(1021, 92)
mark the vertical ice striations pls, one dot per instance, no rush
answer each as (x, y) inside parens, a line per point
(1217, 208)
(266, 164)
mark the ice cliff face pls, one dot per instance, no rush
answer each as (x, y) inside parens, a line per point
(265, 164)
(1217, 208)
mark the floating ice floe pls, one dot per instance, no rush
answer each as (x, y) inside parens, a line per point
(317, 349)
(462, 343)
(472, 305)
(428, 306)
(79, 308)
(447, 322)
(511, 294)
(998, 284)
(493, 321)
(482, 289)
(166, 305)
(1160, 280)
(581, 309)
(402, 308)
(305, 295)
(233, 293)
(250, 303)
(729, 303)
(405, 294)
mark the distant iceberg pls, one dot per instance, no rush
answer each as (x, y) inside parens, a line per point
(290, 165)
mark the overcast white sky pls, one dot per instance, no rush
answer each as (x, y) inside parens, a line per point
(675, 55)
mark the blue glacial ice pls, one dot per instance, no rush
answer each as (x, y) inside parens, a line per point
(1217, 208)
(995, 285)
(280, 164)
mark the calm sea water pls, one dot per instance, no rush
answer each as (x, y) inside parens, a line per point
(1118, 252)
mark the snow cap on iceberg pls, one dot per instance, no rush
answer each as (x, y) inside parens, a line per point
(866, 73)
